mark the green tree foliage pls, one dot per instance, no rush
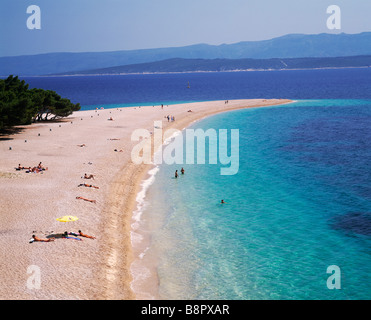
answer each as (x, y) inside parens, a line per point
(20, 105)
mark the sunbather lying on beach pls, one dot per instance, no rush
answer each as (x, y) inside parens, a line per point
(39, 168)
(85, 235)
(87, 185)
(22, 168)
(82, 198)
(81, 145)
(42, 240)
(90, 176)
(34, 170)
(65, 236)
(81, 235)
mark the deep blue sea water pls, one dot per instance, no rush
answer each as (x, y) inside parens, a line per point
(129, 90)
(299, 203)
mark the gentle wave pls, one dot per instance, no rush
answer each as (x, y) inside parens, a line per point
(140, 273)
(137, 214)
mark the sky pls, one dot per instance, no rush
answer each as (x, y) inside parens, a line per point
(110, 25)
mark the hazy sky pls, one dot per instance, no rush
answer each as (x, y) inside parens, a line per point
(108, 25)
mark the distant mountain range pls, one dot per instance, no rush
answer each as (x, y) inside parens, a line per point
(189, 58)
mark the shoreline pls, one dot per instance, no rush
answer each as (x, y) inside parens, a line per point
(144, 295)
(89, 269)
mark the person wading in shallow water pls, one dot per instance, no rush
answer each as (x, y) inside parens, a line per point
(176, 173)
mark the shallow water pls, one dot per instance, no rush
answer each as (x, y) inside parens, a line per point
(299, 204)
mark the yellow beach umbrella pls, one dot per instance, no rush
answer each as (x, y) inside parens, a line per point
(67, 219)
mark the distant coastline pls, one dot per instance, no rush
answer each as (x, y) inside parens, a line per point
(179, 65)
(188, 72)
(196, 71)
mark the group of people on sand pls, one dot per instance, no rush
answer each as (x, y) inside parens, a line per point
(35, 169)
(172, 118)
(87, 176)
(65, 235)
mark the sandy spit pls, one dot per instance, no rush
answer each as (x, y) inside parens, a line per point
(30, 202)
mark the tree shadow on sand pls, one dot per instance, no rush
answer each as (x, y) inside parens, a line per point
(5, 134)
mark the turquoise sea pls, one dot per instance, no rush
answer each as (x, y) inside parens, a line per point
(300, 203)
